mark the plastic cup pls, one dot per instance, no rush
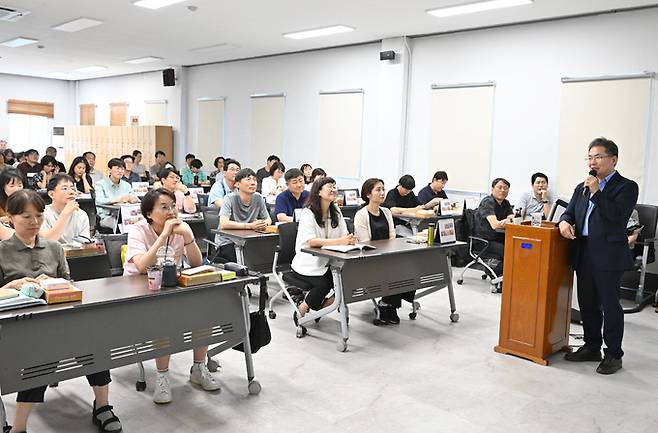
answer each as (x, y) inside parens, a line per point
(535, 219)
(154, 275)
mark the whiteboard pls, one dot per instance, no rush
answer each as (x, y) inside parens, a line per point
(617, 109)
(461, 132)
(267, 132)
(155, 113)
(210, 131)
(341, 133)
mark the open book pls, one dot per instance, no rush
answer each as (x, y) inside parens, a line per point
(348, 248)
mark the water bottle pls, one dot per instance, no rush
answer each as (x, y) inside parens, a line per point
(430, 234)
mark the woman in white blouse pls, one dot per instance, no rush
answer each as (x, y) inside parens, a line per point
(321, 223)
(372, 223)
(274, 184)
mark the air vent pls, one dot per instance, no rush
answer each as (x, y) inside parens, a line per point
(11, 15)
(58, 130)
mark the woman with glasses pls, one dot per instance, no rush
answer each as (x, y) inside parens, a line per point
(161, 237)
(171, 182)
(320, 223)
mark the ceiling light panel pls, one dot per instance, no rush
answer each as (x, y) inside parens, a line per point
(94, 68)
(215, 47)
(140, 60)
(316, 33)
(78, 24)
(19, 42)
(481, 6)
(156, 4)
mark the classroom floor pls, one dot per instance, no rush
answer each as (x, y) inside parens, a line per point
(428, 375)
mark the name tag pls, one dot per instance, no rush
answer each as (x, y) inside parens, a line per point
(526, 245)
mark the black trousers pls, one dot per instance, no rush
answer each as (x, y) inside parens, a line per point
(396, 300)
(598, 298)
(320, 288)
(35, 395)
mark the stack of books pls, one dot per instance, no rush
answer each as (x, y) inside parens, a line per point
(59, 290)
(205, 274)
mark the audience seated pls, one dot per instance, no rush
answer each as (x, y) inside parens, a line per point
(160, 237)
(113, 190)
(294, 197)
(160, 161)
(540, 199)
(263, 172)
(274, 184)
(10, 159)
(79, 171)
(48, 170)
(195, 175)
(51, 151)
(219, 190)
(187, 168)
(316, 174)
(11, 180)
(129, 174)
(401, 200)
(492, 214)
(320, 223)
(435, 189)
(96, 176)
(63, 220)
(31, 164)
(307, 169)
(26, 257)
(138, 167)
(218, 173)
(171, 182)
(372, 223)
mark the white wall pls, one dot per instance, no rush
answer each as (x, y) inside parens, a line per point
(527, 62)
(134, 89)
(59, 92)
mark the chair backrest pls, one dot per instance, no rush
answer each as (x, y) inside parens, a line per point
(113, 243)
(557, 210)
(210, 221)
(202, 199)
(287, 240)
(90, 267)
(467, 226)
(648, 215)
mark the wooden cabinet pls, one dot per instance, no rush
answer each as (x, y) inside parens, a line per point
(536, 300)
(113, 141)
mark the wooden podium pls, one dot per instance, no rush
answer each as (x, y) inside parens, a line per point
(536, 299)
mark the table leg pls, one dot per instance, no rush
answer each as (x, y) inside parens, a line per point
(239, 254)
(253, 385)
(3, 415)
(414, 227)
(454, 316)
(342, 310)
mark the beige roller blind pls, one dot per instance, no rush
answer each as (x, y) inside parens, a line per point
(33, 108)
(118, 113)
(155, 113)
(462, 120)
(341, 133)
(267, 133)
(617, 109)
(210, 131)
(87, 114)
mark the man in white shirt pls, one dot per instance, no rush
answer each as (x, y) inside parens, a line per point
(93, 173)
(63, 220)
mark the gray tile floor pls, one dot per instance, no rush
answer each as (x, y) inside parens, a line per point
(425, 375)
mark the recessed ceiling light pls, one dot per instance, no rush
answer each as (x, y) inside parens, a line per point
(156, 4)
(19, 42)
(92, 69)
(141, 60)
(215, 47)
(77, 25)
(480, 6)
(59, 75)
(323, 31)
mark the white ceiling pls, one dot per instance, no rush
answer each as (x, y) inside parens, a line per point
(249, 27)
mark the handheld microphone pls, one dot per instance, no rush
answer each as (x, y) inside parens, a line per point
(592, 172)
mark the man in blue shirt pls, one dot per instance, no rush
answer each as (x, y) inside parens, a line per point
(222, 188)
(294, 197)
(113, 190)
(596, 221)
(434, 190)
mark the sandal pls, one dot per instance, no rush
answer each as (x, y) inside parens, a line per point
(103, 424)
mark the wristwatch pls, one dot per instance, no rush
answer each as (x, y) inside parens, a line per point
(186, 193)
(544, 201)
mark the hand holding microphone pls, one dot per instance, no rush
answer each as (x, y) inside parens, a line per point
(591, 184)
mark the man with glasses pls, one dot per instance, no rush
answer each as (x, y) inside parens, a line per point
(63, 220)
(221, 189)
(435, 189)
(294, 197)
(113, 190)
(596, 221)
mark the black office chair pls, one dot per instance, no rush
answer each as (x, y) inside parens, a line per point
(113, 244)
(211, 222)
(202, 200)
(282, 271)
(477, 248)
(643, 254)
(89, 267)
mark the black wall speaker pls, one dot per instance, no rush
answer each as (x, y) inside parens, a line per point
(168, 78)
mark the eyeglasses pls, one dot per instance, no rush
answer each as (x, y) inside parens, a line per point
(596, 158)
(170, 208)
(174, 178)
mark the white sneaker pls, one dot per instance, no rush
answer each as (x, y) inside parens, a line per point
(200, 375)
(162, 394)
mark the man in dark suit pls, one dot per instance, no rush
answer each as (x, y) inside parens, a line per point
(596, 220)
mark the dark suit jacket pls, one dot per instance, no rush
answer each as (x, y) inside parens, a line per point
(607, 223)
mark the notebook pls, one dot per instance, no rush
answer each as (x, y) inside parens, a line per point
(7, 294)
(348, 248)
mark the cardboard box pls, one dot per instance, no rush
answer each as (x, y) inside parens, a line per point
(72, 294)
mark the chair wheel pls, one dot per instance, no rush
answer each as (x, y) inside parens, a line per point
(460, 281)
(301, 331)
(412, 316)
(417, 305)
(271, 314)
(483, 276)
(318, 319)
(212, 365)
(341, 345)
(454, 317)
(140, 386)
(254, 387)
(54, 384)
